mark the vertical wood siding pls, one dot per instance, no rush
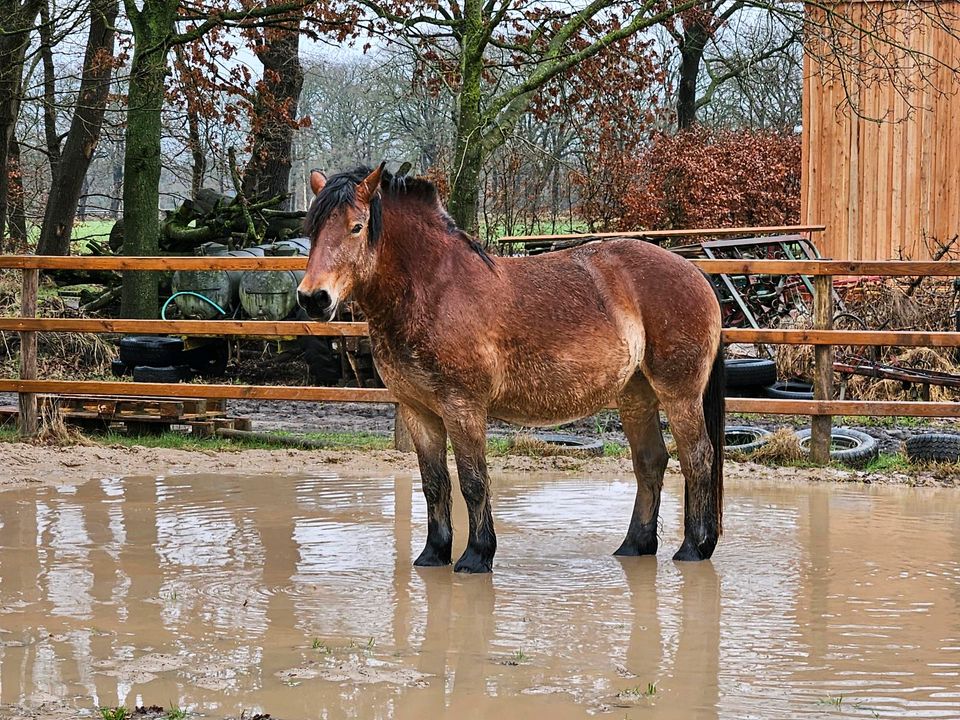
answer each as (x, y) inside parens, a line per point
(882, 188)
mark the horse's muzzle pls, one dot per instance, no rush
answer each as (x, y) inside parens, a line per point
(319, 305)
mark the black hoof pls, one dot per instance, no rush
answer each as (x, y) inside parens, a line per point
(692, 552)
(633, 549)
(431, 557)
(473, 562)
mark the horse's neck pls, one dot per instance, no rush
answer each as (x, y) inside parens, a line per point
(405, 272)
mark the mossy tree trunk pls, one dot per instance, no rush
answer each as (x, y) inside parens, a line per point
(152, 29)
(469, 154)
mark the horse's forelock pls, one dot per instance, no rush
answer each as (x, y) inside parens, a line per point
(341, 190)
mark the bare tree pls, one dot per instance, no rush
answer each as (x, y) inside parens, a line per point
(69, 164)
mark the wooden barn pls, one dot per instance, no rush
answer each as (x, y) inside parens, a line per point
(891, 189)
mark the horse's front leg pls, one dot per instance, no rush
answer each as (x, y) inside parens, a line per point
(468, 435)
(430, 440)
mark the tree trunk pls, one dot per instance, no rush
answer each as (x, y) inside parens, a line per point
(691, 54)
(18, 21)
(199, 168)
(189, 88)
(84, 199)
(74, 161)
(469, 153)
(152, 29)
(116, 167)
(18, 213)
(268, 172)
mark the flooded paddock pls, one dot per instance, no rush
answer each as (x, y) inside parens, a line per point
(296, 596)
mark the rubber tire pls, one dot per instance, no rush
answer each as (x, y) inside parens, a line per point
(933, 447)
(857, 456)
(119, 368)
(790, 390)
(750, 372)
(152, 350)
(575, 443)
(759, 435)
(166, 374)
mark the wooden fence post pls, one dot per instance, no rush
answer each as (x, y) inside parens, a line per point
(822, 425)
(402, 440)
(28, 353)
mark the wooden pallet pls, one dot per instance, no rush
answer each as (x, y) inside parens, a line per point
(141, 415)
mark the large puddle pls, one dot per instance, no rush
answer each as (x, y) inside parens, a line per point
(296, 596)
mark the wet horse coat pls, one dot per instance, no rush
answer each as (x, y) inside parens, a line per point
(460, 338)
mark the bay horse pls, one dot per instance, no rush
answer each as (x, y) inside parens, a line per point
(460, 337)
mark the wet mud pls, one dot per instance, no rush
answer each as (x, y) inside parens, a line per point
(295, 595)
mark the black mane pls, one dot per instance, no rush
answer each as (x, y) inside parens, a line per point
(341, 189)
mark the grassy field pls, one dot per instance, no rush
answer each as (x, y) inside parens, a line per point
(83, 232)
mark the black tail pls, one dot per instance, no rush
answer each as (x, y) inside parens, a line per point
(714, 412)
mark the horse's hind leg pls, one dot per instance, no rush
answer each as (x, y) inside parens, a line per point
(701, 526)
(430, 440)
(641, 424)
(468, 435)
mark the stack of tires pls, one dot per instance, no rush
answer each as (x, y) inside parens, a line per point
(757, 377)
(159, 359)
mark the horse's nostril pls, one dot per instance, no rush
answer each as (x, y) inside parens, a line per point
(316, 304)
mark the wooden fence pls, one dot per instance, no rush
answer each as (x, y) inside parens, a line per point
(823, 337)
(883, 189)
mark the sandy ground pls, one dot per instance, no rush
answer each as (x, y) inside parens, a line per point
(22, 464)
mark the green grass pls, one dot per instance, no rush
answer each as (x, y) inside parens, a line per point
(835, 701)
(517, 658)
(183, 441)
(116, 713)
(83, 233)
(882, 422)
(175, 713)
(640, 691)
(495, 231)
(838, 420)
(890, 463)
(615, 450)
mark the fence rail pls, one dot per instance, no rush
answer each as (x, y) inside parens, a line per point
(878, 268)
(823, 337)
(663, 234)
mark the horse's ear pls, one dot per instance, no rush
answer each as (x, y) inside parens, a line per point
(317, 181)
(370, 185)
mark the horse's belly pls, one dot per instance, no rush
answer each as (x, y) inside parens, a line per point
(555, 392)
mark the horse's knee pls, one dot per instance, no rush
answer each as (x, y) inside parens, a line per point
(651, 462)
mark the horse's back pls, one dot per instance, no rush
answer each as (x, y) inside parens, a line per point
(570, 327)
(669, 297)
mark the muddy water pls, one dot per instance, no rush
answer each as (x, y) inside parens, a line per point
(296, 596)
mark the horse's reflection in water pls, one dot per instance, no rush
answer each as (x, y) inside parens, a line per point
(463, 634)
(691, 677)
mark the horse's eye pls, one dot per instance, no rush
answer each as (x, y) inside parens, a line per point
(357, 228)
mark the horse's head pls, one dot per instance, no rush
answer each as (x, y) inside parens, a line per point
(343, 225)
